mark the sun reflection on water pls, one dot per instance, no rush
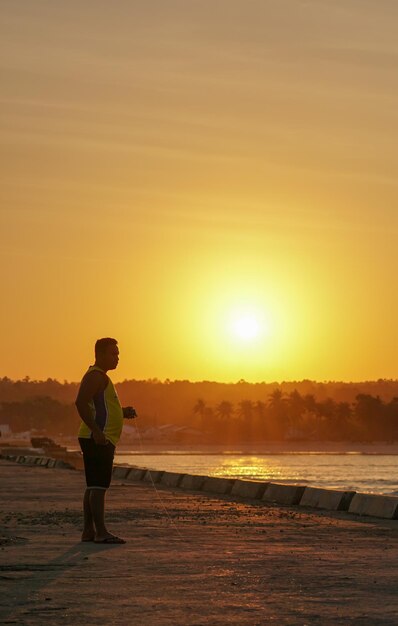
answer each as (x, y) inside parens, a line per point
(250, 468)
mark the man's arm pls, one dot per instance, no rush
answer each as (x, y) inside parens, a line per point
(92, 383)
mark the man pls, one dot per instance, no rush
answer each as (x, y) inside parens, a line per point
(102, 422)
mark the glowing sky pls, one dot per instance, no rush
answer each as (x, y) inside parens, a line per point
(168, 166)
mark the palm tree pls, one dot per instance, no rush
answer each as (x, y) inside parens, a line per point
(276, 399)
(342, 421)
(369, 411)
(278, 411)
(310, 403)
(260, 409)
(224, 410)
(326, 420)
(200, 409)
(225, 426)
(260, 421)
(309, 416)
(246, 409)
(246, 412)
(391, 420)
(296, 407)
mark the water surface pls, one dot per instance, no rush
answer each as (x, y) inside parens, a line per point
(371, 473)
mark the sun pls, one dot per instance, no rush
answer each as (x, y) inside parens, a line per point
(246, 327)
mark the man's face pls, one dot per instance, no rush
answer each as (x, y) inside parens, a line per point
(111, 357)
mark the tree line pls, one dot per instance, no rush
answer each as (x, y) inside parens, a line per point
(366, 411)
(300, 417)
(40, 413)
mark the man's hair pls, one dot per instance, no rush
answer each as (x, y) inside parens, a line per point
(101, 345)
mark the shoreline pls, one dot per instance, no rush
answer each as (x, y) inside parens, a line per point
(137, 447)
(292, 447)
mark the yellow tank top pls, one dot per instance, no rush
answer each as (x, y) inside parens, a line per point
(107, 412)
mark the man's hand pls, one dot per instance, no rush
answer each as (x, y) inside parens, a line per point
(129, 412)
(100, 438)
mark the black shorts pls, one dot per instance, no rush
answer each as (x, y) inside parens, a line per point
(98, 463)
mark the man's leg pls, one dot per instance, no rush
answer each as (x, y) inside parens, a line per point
(97, 507)
(98, 465)
(86, 446)
(88, 530)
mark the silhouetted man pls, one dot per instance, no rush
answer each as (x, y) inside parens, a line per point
(102, 422)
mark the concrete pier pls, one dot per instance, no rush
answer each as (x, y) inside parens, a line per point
(190, 559)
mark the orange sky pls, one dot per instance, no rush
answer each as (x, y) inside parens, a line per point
(169, 166)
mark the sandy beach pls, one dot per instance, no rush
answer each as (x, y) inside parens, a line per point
(190, 558)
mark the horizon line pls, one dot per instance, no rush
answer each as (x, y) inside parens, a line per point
(241, 381)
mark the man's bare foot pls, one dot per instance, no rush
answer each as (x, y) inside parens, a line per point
(88, 535)
(109, 538)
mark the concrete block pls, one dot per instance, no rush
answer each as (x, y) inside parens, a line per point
(283, 494)
(249, 489)
(192, 482)
(120, 471)
(171, 479)
(136, 473)
(38, 460)
(331, 499)
(213, 484)
(153, 475)
(77, 462)
(20, 458)
(60, 464)
(44, 460)
(51, 463)
(374, 505)
(29, 460)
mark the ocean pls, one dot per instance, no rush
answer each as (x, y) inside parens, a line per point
(371, 473)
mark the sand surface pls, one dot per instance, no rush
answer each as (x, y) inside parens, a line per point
(190, 559)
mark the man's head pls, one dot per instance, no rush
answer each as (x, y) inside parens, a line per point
(106, 353)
